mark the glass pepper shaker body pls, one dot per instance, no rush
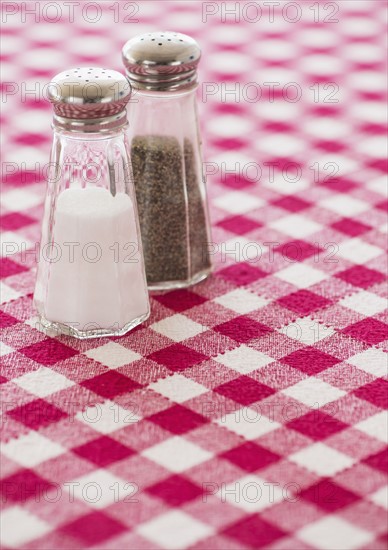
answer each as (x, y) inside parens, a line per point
(166, 158)
(91, 278)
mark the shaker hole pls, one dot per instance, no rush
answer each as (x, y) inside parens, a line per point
(160, 44)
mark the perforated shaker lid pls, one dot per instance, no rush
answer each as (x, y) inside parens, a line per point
(86, 98)
(163, 61)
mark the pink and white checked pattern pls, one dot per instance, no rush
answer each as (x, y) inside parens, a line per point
(250, 411)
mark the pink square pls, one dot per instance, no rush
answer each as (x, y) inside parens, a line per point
(239, 225)
(103, 451)
(317, 425)
(342, 185)
(111, 383)
(15, 220)
(24, 485)
(48, 351)
(361, 276)
(242, 273)
(244, 390)
(254, 532)
(250, 456)
(7, 320)
(371, 331)
(36, 414)
(378, 461)
(351, 227)
(243, 329)
(179, 300)
(382, 205)
(304, 302)
(9, 268)
(291, 203)
(297, 251)
(376, 393)
(177, 419)
(310, 360)
(92, 529)
(175, 490)
(177, 357)
(328, 495)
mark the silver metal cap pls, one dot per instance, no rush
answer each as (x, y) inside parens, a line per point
(163, 61)
(89, 99)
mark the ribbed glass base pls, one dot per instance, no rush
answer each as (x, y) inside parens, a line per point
(60, 328)
(171, 285)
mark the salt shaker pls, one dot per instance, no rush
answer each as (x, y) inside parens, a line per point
(166, 158)
(91, 278)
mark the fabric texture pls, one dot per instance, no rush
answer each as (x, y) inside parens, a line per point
(249, 411)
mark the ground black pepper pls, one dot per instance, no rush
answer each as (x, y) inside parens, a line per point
(171, 209)
(197, 214)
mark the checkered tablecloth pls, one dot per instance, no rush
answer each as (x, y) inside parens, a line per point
(250, 410)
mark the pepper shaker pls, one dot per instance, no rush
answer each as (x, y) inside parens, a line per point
(166, 158)
(91, 278)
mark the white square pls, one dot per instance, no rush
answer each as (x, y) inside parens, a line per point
(380, 497)
(107, 417)
(374, 361)
(375, 426)
(43, 382)
(358, 251)
(307, 331)
(301, 275)
(237, 202)
(379, 185)
(31, 449)
(365, 303)
(383, 228)
(7, 293)
(322, 460)
(248, 422)
(5, 350)
(278, 184)
(178, 327)
(244, 359)
(296, 226)
(241, 301)
(174, 530)
(113, 355)
(10, 242)
(251, 493)
(18, 527)
(21, 199)
(177, 454)
(95, 489)
(333, 533)
(178, 388)
(313, 392)
(345, 205)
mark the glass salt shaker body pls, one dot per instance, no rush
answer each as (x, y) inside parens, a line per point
(91, 278)
(166, 158)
